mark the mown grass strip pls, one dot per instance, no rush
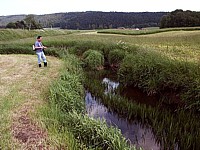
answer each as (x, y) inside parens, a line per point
(22, 84)
(7, 103)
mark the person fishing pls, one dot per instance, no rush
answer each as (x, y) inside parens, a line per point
(39, 48)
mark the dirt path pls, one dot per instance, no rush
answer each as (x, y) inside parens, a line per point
(22, 85)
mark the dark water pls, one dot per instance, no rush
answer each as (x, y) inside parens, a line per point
(136, 133)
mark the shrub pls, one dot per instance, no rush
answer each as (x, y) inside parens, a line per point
(93, 59)
(116, 56)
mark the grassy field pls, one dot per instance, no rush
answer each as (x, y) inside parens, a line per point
(22, 89)
(52, 127)
(166, 61)
(145, 31)
(9, 34)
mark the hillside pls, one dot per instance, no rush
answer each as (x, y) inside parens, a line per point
(92, 19)
(4, 20)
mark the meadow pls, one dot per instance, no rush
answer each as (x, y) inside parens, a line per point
(164, 63)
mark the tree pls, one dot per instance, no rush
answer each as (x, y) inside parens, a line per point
(180, 18)
(31, 22)
(11, 25)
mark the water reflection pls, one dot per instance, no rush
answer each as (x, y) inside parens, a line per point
(111, 85)
(136, 133)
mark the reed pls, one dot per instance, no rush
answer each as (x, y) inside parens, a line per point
(172, 129)
(154, 73)
(66, 95)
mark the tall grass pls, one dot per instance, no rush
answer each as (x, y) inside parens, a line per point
(67, 97)
(154, 73)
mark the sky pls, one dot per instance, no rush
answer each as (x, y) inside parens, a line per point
(15, 7)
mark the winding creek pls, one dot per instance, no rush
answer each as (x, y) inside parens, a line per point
(136, 133)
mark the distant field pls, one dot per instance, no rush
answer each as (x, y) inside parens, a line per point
(12, 34)
(144, 31)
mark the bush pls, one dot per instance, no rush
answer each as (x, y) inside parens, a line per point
(93, 59)
(116, 56)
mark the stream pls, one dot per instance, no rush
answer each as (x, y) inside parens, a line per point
(135, 132)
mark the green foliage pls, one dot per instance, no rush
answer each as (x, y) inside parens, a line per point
(78, 47)
(66, 96)
(180, 18)
(109, 20)
(11, 25)
(171, 65)
(171, 128)
(93, 59)
(155, 73)
(28, 23)
(92, 20)
(95, 133)
(116, 56)
(13, 49)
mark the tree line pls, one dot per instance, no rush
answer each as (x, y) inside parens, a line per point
(180, 18)
(28, 23)
(90, 20)
(108, 20)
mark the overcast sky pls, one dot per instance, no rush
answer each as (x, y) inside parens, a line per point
(13, 7)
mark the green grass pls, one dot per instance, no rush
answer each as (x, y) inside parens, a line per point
(174, 46)
(14, 34)
(16, 92)
(66, 103)
(93, 59)
(154, 73)
(173, 57)
(6, 105)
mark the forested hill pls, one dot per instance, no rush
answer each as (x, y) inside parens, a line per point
(93, 19)
(103, 20)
